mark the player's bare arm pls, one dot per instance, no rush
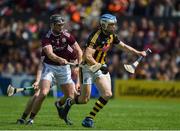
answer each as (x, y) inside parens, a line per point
(38, 75)
(130, 49)
(89, 52)
(77, 48)
(51, 55)
(77, 84)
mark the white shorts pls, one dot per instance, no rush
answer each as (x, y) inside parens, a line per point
(61, 74)
(88, 77)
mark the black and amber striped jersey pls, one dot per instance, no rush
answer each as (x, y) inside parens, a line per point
(101, 43)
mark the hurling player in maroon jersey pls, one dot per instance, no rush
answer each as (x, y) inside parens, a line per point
(56, 46)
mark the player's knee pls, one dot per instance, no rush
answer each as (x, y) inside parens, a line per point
(40, 97)
(36, 95)
(107, 95)
(44, 92)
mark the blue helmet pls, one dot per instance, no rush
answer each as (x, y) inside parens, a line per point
(107, 19)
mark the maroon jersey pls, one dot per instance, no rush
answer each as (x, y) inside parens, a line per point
(61, 45)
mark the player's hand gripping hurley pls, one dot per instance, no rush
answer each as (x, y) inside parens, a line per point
(13, 90)
(131, 68)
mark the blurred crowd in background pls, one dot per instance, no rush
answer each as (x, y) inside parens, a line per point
(20, 37)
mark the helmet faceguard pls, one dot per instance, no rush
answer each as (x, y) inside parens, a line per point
(106, 20)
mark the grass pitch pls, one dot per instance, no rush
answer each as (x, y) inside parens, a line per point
(119, 114)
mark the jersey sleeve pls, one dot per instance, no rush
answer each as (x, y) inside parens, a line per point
(116, 40)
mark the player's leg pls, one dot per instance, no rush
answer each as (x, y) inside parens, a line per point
(44, 90)
(68, 91)
(85, 93)
(80, 99)
(28, 108)
(47, 76)
(104, 85)
(63, 77)
(60, 102)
